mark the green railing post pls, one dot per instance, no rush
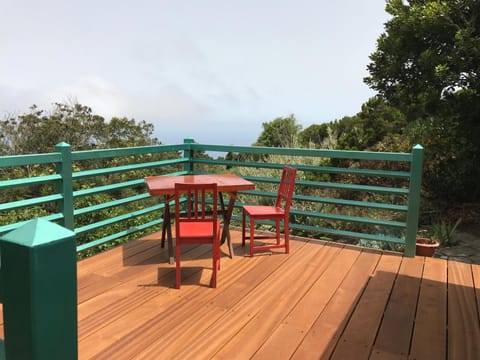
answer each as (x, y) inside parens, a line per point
(188, 154)
(38, 277)
(414, 199)
(65, 186)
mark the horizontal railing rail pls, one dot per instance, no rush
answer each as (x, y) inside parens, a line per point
(102, 197)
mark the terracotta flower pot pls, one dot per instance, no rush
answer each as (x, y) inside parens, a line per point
(426, 247)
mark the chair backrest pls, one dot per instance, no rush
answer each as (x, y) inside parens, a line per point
(200, 203)
(285, 190)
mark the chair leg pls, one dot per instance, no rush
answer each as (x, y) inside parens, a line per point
(287, 238)
(252, 235)
(213, 282)
(178, 270)
(164, 231)
(215, 265)
(243, 227)
(277, 229)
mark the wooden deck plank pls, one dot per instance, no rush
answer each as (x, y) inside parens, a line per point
(322, 301)
(321, 339)
(143, 333)
(261, 306)
(116, 328)
(227, 299)
(286, 338)
(246, 342)
(429, 333)
(117, 257)
(393, 339)
(476, 284)
(463, 333)
(357, 339)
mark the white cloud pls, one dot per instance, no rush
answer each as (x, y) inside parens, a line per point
(212, 68)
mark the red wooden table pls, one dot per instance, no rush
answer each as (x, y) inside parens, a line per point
(226, 183)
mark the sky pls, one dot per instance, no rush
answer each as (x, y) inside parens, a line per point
(214, 70)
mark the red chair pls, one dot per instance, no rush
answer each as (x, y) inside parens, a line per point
(197, 222)
(280, 211)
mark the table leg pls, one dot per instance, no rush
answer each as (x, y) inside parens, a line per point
(166, 219)
(227, 215)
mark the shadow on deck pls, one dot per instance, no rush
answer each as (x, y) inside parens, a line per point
(323, 300)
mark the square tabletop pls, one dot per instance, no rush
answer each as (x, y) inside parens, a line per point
(228, 183)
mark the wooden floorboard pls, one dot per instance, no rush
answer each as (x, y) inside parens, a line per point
(359, 335)
(430, 328)
(463, 325)
(322, 301)
(395, 332)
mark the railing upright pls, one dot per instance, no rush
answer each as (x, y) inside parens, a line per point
(414, 199)
(65, 186)
(38, 279)
(188, 154)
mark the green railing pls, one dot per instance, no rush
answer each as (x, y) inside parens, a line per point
(102, 197)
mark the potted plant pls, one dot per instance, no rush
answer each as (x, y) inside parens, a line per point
(440, 234)
(425, 245)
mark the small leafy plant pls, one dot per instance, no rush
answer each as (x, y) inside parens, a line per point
(443, 232)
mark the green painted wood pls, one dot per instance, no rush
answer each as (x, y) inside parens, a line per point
(31, 159)
(349, 234)
(23, 182)
(317, 153)
(2, 350)
(346, 218)
(334, 201)
(414, 200)
(125, 168)
(111, 204)
(116, 219)
(118, 235)
(110, 187)
(39, 288)
(65, 185)
(319, 169)
(332, 185)
(188, 154)
(10, 227)
(119, 152)
(30, 202)
(355, 203)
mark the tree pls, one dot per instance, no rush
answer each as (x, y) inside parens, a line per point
(427, 65)
(430, 51)
(314, 135)
(39, 131)
(122, 132)
(281, 132)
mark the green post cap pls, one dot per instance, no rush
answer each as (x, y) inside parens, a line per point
(33, 233)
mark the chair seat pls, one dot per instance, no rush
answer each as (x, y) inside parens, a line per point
(197, 230)
(259, 210)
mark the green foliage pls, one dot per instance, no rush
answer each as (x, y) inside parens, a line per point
(121, 132)
(426, 65)
(281, 132)
(443, 232)
(376, 120)
(314, 135)
(39, 131)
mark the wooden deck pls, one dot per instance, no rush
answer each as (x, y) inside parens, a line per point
(322, 301)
